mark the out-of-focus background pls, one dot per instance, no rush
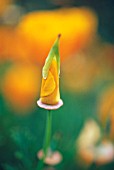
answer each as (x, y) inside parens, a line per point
(83, 129)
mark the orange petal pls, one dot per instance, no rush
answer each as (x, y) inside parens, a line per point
(48, 85)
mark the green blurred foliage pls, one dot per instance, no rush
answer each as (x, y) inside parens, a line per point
(21, 136)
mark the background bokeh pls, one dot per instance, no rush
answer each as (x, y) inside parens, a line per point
(83, 129)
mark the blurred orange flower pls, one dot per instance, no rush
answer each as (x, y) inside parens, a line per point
(21, 85)
(39, 29)
(3, 5)
(12, 45)
(90, 146)
(80, 73)
(106, 109)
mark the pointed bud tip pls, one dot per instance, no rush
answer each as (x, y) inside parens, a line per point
(59, 35)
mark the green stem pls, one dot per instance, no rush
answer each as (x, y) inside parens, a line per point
(46, 140)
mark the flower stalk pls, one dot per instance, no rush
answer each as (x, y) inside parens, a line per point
(46, 140)
(47, 133)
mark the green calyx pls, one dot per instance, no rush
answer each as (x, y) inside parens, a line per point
(54, 52)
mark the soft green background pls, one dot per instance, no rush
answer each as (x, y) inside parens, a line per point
(22, 137)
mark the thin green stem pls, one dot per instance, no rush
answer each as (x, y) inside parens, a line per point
(46, 140)
(47, 133)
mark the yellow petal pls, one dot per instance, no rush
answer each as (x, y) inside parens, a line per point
(48, 85)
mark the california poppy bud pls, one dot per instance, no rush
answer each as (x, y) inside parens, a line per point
(50, 86)
(50, 94)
